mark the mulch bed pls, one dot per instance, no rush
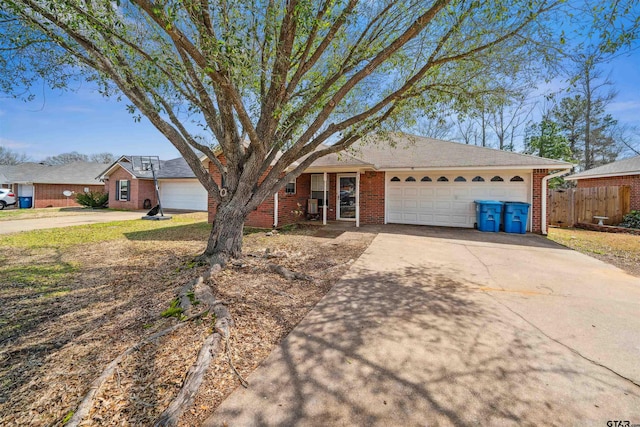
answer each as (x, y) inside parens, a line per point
(66, 333)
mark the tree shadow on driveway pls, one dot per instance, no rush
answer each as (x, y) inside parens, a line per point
(414, 347)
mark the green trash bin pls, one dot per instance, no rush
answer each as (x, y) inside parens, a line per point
(25, 202)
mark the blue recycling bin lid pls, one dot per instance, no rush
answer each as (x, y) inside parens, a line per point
(516, 203)
(488, 202)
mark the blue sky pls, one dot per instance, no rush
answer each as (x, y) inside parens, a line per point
(84, 121)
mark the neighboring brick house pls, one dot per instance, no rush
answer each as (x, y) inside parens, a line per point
(622, 172)
(46, 184)
(420, 181)
(130, 188)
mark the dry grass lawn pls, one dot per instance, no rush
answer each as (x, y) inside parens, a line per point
(71, 302)
(621, 250)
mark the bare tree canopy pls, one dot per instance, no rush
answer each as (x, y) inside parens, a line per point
(11, 157)
(74, 156)
(284, 76)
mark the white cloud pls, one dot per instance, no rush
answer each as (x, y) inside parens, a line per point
(624, 106)
(8, 143)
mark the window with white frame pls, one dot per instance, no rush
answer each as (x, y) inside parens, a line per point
(317, 188)
(290, 188)
(122, 190)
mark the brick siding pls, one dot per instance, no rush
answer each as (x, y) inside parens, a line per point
(140, 189)
(372, 194)
(632, 181)
(536, 205)
(50, 195)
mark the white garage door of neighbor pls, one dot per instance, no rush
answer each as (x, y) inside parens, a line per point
(188, 195)
(447, 199)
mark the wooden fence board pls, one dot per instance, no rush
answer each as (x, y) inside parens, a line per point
(573, 205)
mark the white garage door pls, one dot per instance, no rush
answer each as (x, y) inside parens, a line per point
(183, 194)
(447, 199)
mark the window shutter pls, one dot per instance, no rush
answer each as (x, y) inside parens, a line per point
(128, 190)
(117, 190)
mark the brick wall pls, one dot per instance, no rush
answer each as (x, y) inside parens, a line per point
(536, 205)
(140, 190)
(632, 181)
(50, 195)
(372, 198)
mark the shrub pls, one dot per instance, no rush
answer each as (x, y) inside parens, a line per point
(631, 220)
(93, 199)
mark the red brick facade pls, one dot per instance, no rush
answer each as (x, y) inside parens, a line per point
(50, 195)
(140, 189)
(372, 187)
(632, 181)
(293, 207)
(536, 200)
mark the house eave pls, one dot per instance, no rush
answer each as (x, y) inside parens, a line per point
(338, 169)
(470, 168)
(602, 175)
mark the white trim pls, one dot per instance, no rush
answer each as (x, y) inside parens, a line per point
(324, 200)
(275, 210)
(604, 175)
(386, 194)
(470, 168)
(358, 199)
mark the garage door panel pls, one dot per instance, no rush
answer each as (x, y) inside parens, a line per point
(448, 203)
(186, 195)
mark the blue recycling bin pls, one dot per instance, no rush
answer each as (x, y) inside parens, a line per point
(25, 202)
(488, 215)
(516, 215)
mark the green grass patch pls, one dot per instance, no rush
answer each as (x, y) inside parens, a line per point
(43, 274)
(104, 232)
(611, 244)
(174, 310)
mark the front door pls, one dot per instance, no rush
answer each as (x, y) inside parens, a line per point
(346, 197)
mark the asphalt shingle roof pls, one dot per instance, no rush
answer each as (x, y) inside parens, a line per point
(169, 169)
(627, 166)
(410, 151)
(23, 172)
(83, 173)
(71, 173)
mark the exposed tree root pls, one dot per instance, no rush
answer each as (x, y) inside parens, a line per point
(87, 403)
(288, 274)
(192, 382)
(195, 293)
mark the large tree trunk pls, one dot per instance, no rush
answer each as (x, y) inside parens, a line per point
(225, 240)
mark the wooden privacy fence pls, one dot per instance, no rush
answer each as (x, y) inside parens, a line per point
(573, 205)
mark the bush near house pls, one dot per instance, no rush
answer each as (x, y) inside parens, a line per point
(631, 220)
(93, 199)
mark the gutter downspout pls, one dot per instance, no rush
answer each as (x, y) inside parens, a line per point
(275, 210)
(545, 181)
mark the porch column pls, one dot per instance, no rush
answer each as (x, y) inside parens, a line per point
(324, 199)
(358, 199)
(275, 210)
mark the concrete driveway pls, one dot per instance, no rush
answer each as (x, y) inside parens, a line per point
(457, 327)
(81, 218)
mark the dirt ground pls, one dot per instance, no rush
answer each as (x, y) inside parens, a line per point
(101, 299)
(619, 249)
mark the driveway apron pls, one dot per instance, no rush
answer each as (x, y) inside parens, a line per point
(450, 331)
